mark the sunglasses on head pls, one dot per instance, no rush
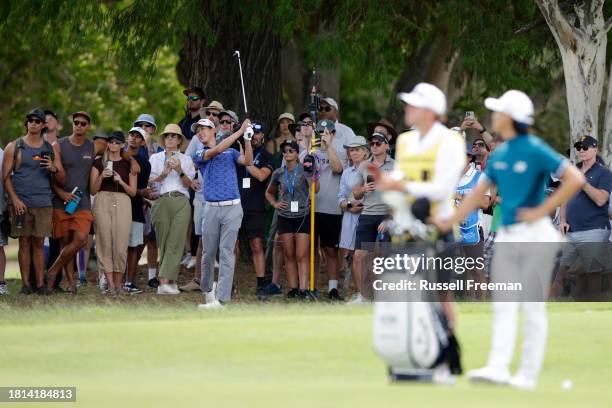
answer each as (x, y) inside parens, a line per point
(171, 136)
(35, 120)
(225, 122)
(289, 151)
(325, 109)
(79, 123)
(193, 98)
(211, 113)
(582, 147)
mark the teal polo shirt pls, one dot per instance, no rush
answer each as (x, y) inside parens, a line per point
(520, 168)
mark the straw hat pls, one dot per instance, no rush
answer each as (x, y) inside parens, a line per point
(175, 129)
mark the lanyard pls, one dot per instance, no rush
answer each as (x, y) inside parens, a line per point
(291, 186)
(246, 172)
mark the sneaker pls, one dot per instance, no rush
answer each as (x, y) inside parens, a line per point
(489, 375)
(192, 286)
(357, 299)
(43, 291)
(192, 263)
(293, 294)
(132, 289)
(81, 283)
(259, 293)
(166, 289)
(186, 258)
(216, 305)
(334, 295)
(308, 296)
(442, 376)
(26, 290)
(272, 290)
(153, 283)
(3, 289)
(102, 283)
(522, 383)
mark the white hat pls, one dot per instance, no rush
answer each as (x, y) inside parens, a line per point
(139, 130)
(331, 102)
(202, 122)
(286, 115)
(426, 96)
(515, 104)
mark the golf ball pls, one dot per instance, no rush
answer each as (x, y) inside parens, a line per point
(567, 384)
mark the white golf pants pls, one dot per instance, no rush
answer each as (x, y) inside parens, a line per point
(525, 253)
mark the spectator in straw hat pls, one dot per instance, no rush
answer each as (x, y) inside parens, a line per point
(281, 134)
(173, 172)
(212, 111)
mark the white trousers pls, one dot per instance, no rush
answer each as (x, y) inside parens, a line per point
(527, 252)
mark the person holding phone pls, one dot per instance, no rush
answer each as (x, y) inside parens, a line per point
(358, 151)
(173, 172)
(370, 227)
(113, 185)
(30, 164)
(292, 184)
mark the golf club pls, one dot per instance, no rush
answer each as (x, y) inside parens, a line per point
(249, 132)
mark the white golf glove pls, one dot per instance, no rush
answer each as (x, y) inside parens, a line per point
(248, 133)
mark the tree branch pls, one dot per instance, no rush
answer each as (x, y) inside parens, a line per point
(563, 31)
(608, 25)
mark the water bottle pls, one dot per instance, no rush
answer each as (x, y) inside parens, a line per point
(74, 203)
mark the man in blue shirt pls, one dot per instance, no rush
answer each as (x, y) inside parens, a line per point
(222, 210)
(520, 168)
(585, 217)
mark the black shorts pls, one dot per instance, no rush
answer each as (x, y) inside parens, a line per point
(367, 230)
(253, 225)
(300, 225)
(327, 228)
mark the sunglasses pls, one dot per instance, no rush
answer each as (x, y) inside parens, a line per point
(479, 145)
(147, 125)
(582, 147)
(80, 123)
(377, 144)
(115, 142)
(289, 151)
(225, 122)
(171, 136)
(34, 120)
(211, 113)
(307, 123)
(193, 98)
(325, 109)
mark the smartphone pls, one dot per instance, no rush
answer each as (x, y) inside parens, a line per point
(469, 115)
(370, 179)
(173, 154)
(109, 165)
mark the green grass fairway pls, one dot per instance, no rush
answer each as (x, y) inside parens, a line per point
(156, 354)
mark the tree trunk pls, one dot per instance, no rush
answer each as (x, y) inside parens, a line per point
(430, 64)
(583, 52)
(215, 68)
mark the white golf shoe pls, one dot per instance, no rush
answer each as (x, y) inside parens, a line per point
(216, 305)
(522, 383)
(167, 289)
(489, 375)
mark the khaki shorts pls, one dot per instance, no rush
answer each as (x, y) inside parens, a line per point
(38, 223)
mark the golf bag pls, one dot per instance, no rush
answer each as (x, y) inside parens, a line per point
(411, 337)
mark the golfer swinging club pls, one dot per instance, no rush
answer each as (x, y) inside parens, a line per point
(428, 165)
(519, 169)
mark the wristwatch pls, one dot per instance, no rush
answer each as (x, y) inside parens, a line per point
(483, 130)
(181, 175)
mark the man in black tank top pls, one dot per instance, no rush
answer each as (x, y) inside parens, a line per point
(77, 156)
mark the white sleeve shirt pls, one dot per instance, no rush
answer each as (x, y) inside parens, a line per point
(173, 181)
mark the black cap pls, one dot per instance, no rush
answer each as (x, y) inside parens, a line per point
(588, 141)
(196, 90)
(50, 112)
(116, 135)
(37, 113)
(291, 143)
(100, 135)
(304, 116)
(378, 136)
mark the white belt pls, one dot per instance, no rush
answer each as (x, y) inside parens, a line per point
(223, 203)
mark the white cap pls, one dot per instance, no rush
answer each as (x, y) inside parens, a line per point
(332, 102)
(202, 122)
(515, 104)
(139, 130)
(426, 96)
